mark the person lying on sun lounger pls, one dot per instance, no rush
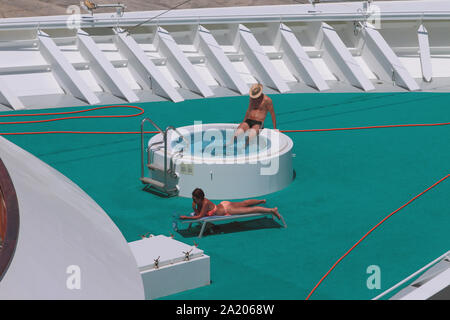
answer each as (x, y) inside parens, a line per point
(204, 207)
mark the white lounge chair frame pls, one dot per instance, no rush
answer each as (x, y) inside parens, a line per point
(205, 220)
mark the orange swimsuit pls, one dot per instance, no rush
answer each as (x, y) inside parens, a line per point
(225, 205)
(212, 211)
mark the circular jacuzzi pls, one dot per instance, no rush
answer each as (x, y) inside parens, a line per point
(207, 157)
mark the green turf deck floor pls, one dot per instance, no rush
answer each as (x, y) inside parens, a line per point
(346, 182)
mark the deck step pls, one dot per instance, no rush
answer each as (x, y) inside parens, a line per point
(152, 166)
(153, 182)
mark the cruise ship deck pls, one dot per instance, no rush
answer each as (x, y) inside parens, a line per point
(345, 183)
(361, 96)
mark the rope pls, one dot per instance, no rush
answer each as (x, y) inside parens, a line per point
(371, 230)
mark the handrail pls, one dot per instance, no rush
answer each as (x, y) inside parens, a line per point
(175, 129)
(165, 148)
(11, 209)
(142, 140)
(429, 265)
(164, 134)
(152, 122)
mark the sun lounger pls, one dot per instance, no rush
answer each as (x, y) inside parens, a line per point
(205, 220)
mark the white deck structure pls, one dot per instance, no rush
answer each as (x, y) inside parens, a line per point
(195, 53)
(67, 247)
(168, 266)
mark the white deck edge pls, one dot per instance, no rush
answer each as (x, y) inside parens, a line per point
(144, 70)
(220, 63)
(298, 61)
(180, 65)
(64, 71)
(7, 97)
(103, 69)
(339, 59)
(380, 57)
(429, 265)
(425, 55)
(258, 61)
(430, 288)
(344, 11)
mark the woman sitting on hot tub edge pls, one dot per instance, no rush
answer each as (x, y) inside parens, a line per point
(204, 207)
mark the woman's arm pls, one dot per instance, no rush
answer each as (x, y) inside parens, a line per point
(194, 207)
(200, 214)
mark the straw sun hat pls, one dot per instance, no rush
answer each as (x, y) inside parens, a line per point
(256, 91)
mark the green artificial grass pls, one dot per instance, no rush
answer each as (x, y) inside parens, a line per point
(346, 182)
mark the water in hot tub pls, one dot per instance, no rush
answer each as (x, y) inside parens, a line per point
(219, 143)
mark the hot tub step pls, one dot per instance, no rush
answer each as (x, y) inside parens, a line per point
(152, 166)
(153, 182)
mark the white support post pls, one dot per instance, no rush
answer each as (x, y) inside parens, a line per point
(64, 71)
(103, 69)
(298, 60)
(144, 70)
(383, 61)
(221, 65)
(180, 65)
(8, 98)
(425, 55)
(259, 63)
(340, 60)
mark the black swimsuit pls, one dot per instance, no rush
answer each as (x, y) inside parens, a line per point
(251, 122)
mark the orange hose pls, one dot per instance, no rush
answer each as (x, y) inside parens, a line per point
(370, 231)
(141, 111)
(372, 127)
(71, 112)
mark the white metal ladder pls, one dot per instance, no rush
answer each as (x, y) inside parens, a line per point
(160, 185)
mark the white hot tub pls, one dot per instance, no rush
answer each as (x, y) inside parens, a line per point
(204, 160)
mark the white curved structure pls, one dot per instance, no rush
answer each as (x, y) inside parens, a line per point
(351, 46)
(222, 172)
(63, 233)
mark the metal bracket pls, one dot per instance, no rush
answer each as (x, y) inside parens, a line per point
(187, 255)
(146, 235)
(357, 27)
(91, 6)
(157, 262)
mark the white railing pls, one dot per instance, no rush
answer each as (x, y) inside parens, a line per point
(89, 21)
(432, 263)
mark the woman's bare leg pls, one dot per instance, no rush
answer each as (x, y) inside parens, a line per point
(248, 210)
(248, 203)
